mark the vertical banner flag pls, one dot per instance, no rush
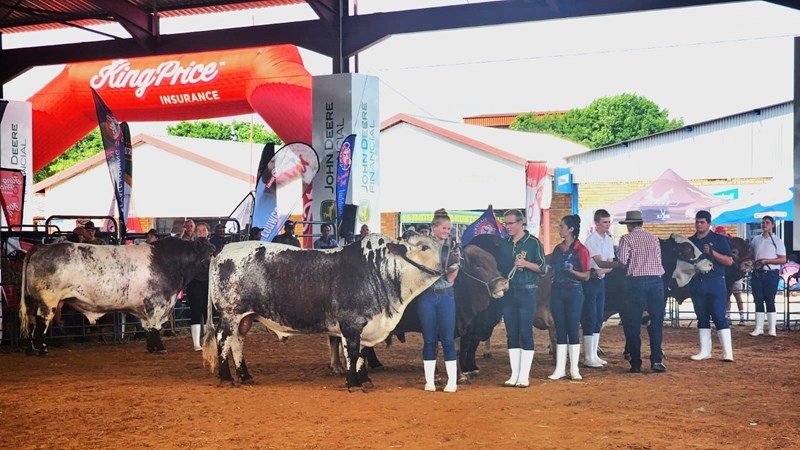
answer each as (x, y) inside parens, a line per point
(242, 213)
(487, 223)
(343, 176)
(536, 197)
(12, 195)
(113, 134)
(15, 151)
(281, 185)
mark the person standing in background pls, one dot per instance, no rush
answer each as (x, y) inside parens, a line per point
(197, 295)
(769, 252)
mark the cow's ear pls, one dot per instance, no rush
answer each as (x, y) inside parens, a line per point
(397, 249)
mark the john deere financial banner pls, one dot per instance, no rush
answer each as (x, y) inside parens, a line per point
(345, 104)
(16, 150)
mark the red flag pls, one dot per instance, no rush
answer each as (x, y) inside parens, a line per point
(12, 194)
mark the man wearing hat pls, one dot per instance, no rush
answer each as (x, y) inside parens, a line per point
(255, 234)
(424, 229)
(90, 234)
(640, 252)
(287, 237)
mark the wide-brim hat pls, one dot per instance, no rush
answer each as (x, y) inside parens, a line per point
(89, 225)
(632, 217)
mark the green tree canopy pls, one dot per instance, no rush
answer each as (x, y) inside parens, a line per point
(606, 121)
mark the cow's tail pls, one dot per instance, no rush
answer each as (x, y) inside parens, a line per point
(24, 322)
(210, 355)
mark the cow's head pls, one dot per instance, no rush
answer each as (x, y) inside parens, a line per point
(423, 252)
(690, 260)
(480, 266)
(740, 251)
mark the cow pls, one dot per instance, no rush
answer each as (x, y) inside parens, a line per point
(478, 283)
(358, 292)
(143, 280)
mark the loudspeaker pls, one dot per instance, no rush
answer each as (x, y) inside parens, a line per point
(348, 224)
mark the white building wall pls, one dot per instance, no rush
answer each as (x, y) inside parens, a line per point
(89, 193)
(423, 171)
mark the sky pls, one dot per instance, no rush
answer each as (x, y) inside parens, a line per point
(700, 63)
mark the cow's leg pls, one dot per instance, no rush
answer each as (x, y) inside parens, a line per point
(361, 370)
(237, 346)
(224, 373)
(466, 355)
(353, 360)
(154, 344)
(372, 358)
(487, 348)
(335, 347)
(37, 345)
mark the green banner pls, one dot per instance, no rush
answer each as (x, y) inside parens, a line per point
(456, 217)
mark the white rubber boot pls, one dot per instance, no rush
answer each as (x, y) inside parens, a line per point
(597, 346)
(759, 325)
(430, 368)
(195, 329)
(726, 343)
(452, 376)
(772, 319)
(514, 360)
(589, 355)
(561, 363)
(574, 354)
(526, 361)
(705, 344)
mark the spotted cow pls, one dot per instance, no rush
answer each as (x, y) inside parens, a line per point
(143, 280)
(358, 292)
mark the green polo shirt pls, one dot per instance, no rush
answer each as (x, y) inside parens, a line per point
(528, 247)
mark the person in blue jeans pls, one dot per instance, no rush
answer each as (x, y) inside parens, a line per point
(570, 261)
(521, 255)
(708, 290)
(640, 253)
(769, 254)
(437, 309)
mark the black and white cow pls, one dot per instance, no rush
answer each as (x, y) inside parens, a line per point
(143, 280)
(358, 292)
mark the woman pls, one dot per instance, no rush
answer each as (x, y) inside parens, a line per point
(197, 295)
(769, 253)
(437, 309)
(521, 253)
(570, 262)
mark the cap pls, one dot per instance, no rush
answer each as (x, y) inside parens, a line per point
(288, 224)
(720, 229)
(424, 226)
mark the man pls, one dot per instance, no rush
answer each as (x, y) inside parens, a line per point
(601, 250)
(255, 234)
(363, 232)
(326, 241)
(90, 234)
(640, 252)
(218, 238)
(769, 253)
(708, 290)
(424, 229)
(287, 237)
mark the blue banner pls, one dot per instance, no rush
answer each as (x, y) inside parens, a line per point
(343, 175)
(117, 156)
(487, 223)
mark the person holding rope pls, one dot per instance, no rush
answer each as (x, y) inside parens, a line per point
(769, 254)
(522, 258)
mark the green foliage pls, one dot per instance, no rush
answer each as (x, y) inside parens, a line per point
(606, 121)
(235, 131)
(89, 146)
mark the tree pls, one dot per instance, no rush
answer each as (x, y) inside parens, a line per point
(234, 131)
(606, 121)
(87, 147)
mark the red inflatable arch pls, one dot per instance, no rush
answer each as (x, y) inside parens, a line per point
(270, 81)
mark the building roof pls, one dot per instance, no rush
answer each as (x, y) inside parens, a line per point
(515, 146)
(196, 150)
(504, 120)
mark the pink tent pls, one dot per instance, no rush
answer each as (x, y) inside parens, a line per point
(669, 199)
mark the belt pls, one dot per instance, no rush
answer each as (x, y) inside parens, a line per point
(770, 270)
(445, 290)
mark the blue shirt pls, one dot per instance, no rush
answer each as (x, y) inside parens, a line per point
(720, 245)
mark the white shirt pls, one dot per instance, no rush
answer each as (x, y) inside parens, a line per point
(599, 245)
(767, 248)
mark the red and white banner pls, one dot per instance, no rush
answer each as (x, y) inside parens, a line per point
(12, 195)
(15, 152)
(538, 194)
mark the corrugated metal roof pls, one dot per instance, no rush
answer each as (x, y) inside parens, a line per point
(35, 15)
(504, 120)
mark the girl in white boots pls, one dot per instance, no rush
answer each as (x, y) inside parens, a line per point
(522, 255)
(769, 253)
(437, 309)
(570, 260)
(197, 295)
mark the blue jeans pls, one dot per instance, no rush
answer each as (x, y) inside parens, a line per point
(765, 287)
(437, 315)
(709, 297)
(519, 307)
(566, 302)
(594, 299)
(646, 292)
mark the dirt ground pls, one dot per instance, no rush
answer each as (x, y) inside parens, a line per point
(86, 396)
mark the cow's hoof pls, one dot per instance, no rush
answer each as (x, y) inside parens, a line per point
(378, 368)
(472, 373)
(627, 356)
(248, 381)
(226, 383)
(464, 379)
(487, 355)
(367, 385)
